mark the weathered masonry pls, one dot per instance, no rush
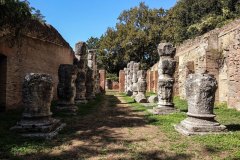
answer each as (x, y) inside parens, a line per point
(217, 52)
(39, 49)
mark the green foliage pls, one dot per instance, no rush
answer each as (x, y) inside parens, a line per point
(16, 13)
(140, 29)
(112, 77)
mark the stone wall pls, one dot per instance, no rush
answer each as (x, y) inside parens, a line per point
(216, 52)
(31, 53)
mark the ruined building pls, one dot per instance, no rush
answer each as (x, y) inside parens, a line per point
(38, 48)
(217, 52)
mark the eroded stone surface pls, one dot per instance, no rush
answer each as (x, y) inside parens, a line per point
(129, 78)
(166, 69)
(135, 79)
(81, 64)
(200, 90)
(153, 99)
(36, 119)
(67, 87)
(142, 87)
(90, 76)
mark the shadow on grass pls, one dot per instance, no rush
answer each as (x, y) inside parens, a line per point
(91, 131)
(233, 127)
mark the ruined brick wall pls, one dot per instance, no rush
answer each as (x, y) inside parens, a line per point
(216, 52)
(121, 81)
(102, 79)
(30, 54)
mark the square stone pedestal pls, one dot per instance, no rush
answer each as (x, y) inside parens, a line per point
(39, 128)
(195, 126)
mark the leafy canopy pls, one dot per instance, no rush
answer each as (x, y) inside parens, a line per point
(140, 29)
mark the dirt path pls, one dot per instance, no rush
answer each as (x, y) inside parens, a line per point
(114, 131)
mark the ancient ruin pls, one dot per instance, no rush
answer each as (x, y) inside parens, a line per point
(129, 77)
(81, 63)
(200, 89)
(135, 79)
(90, 76)
(166, 68)
(142, 87)
(67, 88)
(36, 119)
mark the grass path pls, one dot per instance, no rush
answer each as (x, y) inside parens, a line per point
(114, 127)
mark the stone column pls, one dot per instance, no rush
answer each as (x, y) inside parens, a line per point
(130, 76)
(37, 118)
(125, 82)
(135, 79)
(81, 51)
(200, 91)
(90, 77)
(141, 86)
(166, 69)
(66, 90)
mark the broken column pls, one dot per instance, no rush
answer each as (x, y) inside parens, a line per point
(130, 76)
(81, 51)
(90, 77)
(37, 118)
(141, 87)
(66, 90)
(166, 69)
(200, 91)
(135, 79)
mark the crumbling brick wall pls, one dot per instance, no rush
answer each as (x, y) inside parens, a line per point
(32, 51)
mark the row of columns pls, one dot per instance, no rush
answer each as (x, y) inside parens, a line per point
(78, 83)
(200, 89)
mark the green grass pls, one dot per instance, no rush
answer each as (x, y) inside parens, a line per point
(14, 146)
(213, 144)
(148, 94)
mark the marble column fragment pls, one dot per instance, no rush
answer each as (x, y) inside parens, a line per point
(89, 78)
(135, 79)
(141, 87)
(66, 90)
(130, 76)
(37, 118)
(200, 90)
(81, 63)
(166, 69)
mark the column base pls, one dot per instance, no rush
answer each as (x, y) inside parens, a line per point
(195, 126)
(81, 101)
(68, 109)
(44, 128)
(163, 110)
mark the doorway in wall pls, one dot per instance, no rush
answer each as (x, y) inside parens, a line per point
(3, 82)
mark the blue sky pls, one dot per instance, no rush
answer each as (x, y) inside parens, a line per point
(78, 20)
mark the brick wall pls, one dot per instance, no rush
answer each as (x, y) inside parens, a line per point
(121, 81)
(102, 79)
(217, 52)
(30, 53)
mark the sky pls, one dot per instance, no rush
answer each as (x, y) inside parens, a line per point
(78, 20)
